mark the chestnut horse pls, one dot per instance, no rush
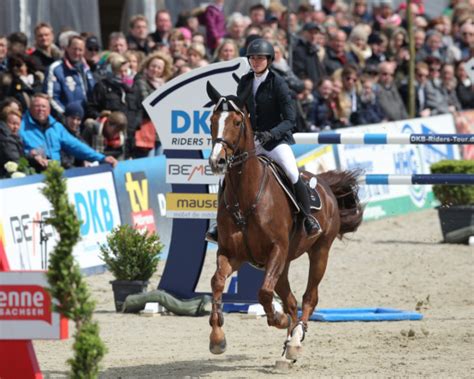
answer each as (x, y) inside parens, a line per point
(257, 223)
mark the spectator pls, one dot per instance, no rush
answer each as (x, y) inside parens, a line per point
(17, 43)
(64, 37)
(156, 69)
(135, 59)
(329, 7)
(44, 137)
(24, 83)
(448, 86)
(466, 41)
(378, 45)
(197, 55)
(73, 114)
(107, 134)
(386, 20)
(92, 55)
(226, 51)
(12, 103)
(116, 93)
(360, 12)
(257, 15)
(213, 19)
(324, 105)
(369, 110)
(69, 79)
(336, 55)
(118, 43)
(388, 95)
(236, 24)
(11, 147)
(163, 27)
(45, 52)
(464, 88)
(358, 48)
(306, 64)
(433, 47)
(177, 44)
(348, 101)
(137, 38)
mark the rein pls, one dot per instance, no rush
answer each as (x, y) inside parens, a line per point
(239, 158)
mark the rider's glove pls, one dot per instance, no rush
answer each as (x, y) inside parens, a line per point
(264, 137)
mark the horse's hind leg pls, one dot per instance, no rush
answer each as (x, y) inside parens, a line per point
(217, 343)
(318, 258)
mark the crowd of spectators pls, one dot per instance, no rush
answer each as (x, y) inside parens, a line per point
(65, 97)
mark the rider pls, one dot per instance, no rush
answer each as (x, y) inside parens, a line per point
(273, 116)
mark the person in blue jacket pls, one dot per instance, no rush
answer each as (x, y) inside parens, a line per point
(44, 137)
(69, 79)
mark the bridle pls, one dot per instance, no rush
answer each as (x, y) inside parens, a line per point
(234, 159)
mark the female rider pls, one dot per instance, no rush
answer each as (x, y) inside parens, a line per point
(273, 116)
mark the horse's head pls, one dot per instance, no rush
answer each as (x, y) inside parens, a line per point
(230, 129)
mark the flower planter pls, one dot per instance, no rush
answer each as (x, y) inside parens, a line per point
(454, 218)
(123, 288)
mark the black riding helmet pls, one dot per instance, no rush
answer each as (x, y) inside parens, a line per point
(260, 47)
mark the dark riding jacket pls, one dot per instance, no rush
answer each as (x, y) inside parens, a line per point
(273, 109)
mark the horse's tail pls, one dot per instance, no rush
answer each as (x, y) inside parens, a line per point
(345, 187)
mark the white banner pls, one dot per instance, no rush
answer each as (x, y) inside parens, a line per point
(189, 171)
(23, 209)
(180, 110)
(397, 159)
(26, 308)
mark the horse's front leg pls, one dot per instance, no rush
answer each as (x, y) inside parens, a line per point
(318, 258)
(217, 343)
(273, 270)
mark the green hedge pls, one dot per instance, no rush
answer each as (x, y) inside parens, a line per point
(454, 194)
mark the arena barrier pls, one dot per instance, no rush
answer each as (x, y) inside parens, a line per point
(452, 179)
(384, 139)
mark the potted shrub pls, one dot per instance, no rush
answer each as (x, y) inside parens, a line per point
(456, 210)
(132, 257)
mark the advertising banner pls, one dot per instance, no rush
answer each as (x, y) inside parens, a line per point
(180, 109)
(191, 205)
(385, 200)
(141, 193)
(28, 240)
(26, 308)
(189, 171)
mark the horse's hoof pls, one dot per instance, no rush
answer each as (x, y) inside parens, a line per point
(218, 348)
(284, 364)
(293, 352)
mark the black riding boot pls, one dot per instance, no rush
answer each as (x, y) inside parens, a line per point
(311, 225)
(211, 234)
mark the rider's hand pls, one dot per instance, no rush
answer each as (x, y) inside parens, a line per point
(264, 137)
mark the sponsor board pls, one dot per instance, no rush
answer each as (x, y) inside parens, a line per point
(23, 212)
(191, 205)
(141, 189)
(180, 109)
(397, 160)
(189, 171)
(26, 308)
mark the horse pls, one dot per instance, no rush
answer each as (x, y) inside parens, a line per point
(257, 223)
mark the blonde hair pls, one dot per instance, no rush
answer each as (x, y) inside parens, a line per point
(167, 72)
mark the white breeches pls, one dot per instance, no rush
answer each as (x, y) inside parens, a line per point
(283, 155)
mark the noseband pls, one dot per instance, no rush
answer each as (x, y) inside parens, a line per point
(234, 159)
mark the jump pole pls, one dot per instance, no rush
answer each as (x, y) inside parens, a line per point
(383, 139)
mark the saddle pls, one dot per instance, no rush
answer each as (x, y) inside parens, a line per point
(287, 186)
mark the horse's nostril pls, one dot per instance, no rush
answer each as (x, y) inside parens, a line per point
(221, 161)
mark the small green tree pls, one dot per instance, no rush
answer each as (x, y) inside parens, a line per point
(65, 279)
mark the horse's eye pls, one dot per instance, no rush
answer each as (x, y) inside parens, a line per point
(238, 123)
